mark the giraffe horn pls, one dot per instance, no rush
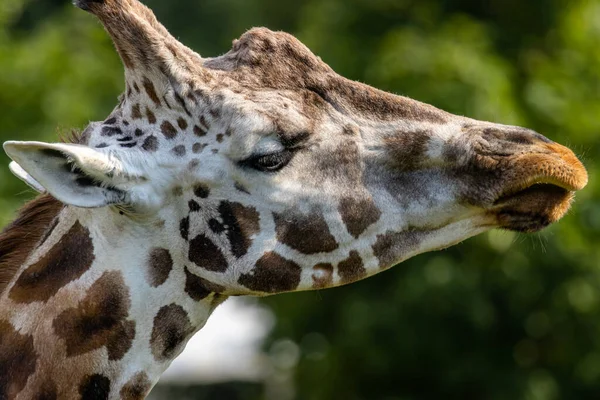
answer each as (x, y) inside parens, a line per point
(143, 43)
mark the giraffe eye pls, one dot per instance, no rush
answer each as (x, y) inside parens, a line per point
(269, 162)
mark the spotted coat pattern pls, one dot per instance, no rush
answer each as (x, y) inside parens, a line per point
(257, 172)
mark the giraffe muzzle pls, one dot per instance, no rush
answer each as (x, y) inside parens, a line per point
(540, 188)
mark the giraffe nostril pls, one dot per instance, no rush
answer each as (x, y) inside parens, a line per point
(516, 136)
(526, 136)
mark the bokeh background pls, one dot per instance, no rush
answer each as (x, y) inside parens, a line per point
(501, 316)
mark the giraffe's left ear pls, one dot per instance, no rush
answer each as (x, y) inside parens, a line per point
(74, 174)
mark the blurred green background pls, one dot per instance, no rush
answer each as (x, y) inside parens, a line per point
(502, 316)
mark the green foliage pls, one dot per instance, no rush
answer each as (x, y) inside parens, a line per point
(499, 317)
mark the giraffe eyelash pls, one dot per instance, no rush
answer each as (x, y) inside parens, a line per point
(272, 162)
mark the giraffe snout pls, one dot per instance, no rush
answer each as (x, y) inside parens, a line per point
(538, 180)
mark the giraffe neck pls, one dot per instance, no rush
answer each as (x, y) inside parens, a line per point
(97, 310)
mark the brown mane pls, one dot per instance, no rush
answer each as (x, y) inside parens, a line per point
(19, 238)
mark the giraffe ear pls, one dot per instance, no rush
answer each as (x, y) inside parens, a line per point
(74, 174)
(25, 177)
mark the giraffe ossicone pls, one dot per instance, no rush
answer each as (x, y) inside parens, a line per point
(257, 172)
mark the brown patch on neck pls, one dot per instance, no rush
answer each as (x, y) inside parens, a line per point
(137, 388)
(67, 261)
(17, 360)
(100, 320)
(172, 329)
(22, 236)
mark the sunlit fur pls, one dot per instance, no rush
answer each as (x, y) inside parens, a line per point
(166, 214)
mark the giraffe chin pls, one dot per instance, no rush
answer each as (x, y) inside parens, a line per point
(533, 208)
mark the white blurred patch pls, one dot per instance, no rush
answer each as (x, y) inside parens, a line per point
(228, 348)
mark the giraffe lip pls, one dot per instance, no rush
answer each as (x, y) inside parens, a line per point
(539, 188)
(541, 185)
(533, 208)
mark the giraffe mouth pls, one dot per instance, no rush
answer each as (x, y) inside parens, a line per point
(546, 182)
(536, 203)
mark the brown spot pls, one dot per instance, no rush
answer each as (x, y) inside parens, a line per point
(322, 276)
(136, 113)
(160, 264)
(67, 261)
(394, 246)
(179, 151)
(199, 131)
(150, 115)
(47, 391)
(182, 123)
(204, 253)
(198, 288)
(352, 268)
(100, 319)
(139, 132)
(204, 123)
(136, 87)
(201, 191)
(184, 228)
(242, 222)
(111, 131)
(272, 274)
(151, 91)
(220, 137)
(34, 224)
(150, 144)
(194, 206)
(95, 387)
(309, 234)
(216, 226)
(17, 360)
(172, 328)
(168, 130)
(198, 147)
(405, 150)
(137, 388)
(358, 214)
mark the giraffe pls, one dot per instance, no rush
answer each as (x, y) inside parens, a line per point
(258, 172)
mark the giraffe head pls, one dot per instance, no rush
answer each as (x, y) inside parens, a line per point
(267, 172)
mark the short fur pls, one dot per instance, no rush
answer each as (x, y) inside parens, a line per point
(18, 239)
